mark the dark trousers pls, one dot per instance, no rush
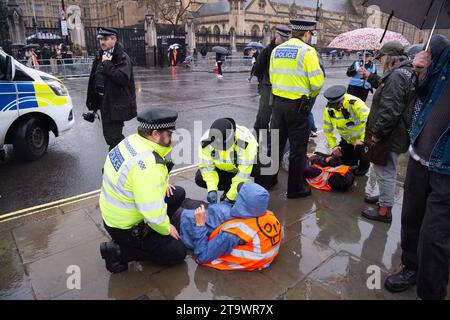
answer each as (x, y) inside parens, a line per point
(163, 250)
(219, 67)
(425, 229)
(292, 125)
(112, 131)
(359, 92)
(352, 156)
(224, 180)
(265, 109)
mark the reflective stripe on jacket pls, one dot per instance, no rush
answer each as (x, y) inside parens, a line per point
(321, 181)
(238, 159)
(262, 237)
(295, 70)
(134, 185)
(350, 129)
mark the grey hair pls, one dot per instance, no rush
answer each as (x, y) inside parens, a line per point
(391, 61)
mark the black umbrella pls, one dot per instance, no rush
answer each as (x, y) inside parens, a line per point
(424, 14)
(32, 45)
(221, 50)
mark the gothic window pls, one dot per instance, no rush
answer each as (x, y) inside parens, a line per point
(262, 4)
(216, 32)
(255, 33)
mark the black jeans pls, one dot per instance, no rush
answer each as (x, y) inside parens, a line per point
(112, 131)
(425, 230)
(359, 92)
(163, 250)
(224, 180)
(352, 156)
(294, 125)
(265, 109)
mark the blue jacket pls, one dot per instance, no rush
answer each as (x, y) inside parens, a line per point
(357, 78)
(428, 93)
(251, 202)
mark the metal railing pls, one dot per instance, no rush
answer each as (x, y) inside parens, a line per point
(64, 68)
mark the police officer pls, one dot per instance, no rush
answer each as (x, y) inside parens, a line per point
(348, 114)
(227, 154)
(358, 86)
(261, 71)
(137, 203)
(296, 79)
(111, 86)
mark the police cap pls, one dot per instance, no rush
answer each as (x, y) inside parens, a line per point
(157, 119)
(335, 94)
(303, 25)
(283, 31)
(106, 32)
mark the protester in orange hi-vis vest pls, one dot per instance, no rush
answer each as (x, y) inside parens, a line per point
(239, 236)
(326, 172)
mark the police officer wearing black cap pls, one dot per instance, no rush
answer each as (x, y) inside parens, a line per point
(348, 115)
(137, 203)
(358, 71)
(111, 87)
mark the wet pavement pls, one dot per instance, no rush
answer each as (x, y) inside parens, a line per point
(327, 249)
(73, 162)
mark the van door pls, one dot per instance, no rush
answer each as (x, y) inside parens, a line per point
(8, 102)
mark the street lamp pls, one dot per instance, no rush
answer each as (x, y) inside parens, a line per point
(189, 18)
(149, 16)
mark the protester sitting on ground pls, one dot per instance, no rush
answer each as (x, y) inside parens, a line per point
(326, 172)
(243, 236)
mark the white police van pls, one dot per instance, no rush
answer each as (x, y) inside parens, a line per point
(32, 103)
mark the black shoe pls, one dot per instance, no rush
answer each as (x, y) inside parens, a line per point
(110, 252)
(376, 214)
(371, 199)
(401, 280)
(306, 191)
(360, 171)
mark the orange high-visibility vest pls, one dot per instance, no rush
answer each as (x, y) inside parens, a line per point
(262, 238)
(321, 181)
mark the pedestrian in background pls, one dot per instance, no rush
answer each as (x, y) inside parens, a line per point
(111, 87)
(425, 232)
(219, 61)
(388, 123)
(358, 85)
(254, 57)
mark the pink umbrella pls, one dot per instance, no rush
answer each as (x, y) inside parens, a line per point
(365, 39)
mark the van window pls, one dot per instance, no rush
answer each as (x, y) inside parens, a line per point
(2, 68)
(21, 76)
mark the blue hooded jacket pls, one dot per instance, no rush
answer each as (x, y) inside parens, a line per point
(251, 201)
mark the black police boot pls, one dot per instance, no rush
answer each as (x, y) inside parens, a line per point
(110, 252)
(306, 191)
(371, 199)
(383, 214)
(401, 280)
(360, 171)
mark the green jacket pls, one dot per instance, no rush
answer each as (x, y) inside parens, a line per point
(391, 111)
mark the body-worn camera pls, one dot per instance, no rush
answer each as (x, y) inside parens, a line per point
(90, 116)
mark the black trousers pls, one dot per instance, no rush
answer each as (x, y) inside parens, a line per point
(224, 180)
(112, 131)
(219, 67)
(163, 250)
(359, 92)
(352, 156)
(425, 229)
(292, 125)
(265, 109)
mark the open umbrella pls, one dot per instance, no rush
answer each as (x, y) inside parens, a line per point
(365, 39)
(219, 49)
(31, 45)
(174, 46)
(255, 45)
(425, 14)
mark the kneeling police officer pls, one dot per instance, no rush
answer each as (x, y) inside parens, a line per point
(137, 203)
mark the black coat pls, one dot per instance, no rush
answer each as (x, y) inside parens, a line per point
(261, 68)
(392, 106)
(119, 101)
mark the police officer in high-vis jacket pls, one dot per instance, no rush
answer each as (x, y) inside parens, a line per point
(227, 153)
(348, 115)
(296, 79)
(137, 203)
(358, 86)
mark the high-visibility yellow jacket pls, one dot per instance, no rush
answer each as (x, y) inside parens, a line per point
(135, 181)
(295, 70)
(238, 159)
(351, 125)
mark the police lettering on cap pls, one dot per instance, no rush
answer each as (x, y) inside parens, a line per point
(303, 25)
(157, 119)
(106, 32)
(335, 94)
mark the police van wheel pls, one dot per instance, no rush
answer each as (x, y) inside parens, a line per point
(31, 139)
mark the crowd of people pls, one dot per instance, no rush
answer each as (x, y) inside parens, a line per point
(148, 219)
(45, 54)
